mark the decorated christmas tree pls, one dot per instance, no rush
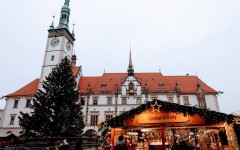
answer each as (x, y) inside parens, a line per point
(56, 111)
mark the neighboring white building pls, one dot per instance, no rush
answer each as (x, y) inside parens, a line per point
(110, 94)
(1, 114)
(236, 113)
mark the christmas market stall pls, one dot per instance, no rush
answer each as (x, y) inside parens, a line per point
(163, 125)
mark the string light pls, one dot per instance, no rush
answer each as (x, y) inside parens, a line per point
(210, 117)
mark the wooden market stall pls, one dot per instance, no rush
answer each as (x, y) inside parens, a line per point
(163, 125)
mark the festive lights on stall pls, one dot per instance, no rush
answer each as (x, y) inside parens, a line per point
(210, 117)
(232, 139)
(236, 120)
(132, 132)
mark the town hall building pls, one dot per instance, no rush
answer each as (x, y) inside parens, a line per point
(110, 94)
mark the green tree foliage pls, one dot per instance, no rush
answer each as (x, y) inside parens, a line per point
(56, 111)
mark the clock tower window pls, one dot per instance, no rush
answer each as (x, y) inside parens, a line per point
(52, 58)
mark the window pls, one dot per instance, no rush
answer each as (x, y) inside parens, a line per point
(131, 86)
(178, 100)
(124, 100)
(185, 100)
(83, 101)
(170, 99)
(52, 58)
(161, 85)
(13, 116)
(15, 103)
(139, 100)
(154, 98)
(28, 103)
(94, 118)
(121, 112)
(103, 85)
(109, 101)
(131, 90)
(108, 115)
(95, 100)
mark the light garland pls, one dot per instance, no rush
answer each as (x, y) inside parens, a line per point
(210, 117)
(236, 120)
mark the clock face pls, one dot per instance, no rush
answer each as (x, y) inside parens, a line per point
(68, 46)
(55, 41)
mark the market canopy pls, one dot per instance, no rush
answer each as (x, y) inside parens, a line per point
(163, 112)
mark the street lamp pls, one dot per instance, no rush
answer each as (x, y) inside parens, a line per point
(220, 92)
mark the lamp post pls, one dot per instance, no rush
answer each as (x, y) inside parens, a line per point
(220, 92)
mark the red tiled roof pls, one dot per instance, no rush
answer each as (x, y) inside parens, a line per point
(186, 84)
(153, 80)
(32, 87)
(75, 70)
(111, 79)
(28, 90)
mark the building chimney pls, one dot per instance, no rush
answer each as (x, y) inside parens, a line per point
(74, 59)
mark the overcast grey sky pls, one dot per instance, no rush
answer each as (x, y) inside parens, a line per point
(181, 36)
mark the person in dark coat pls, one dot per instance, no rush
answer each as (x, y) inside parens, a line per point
(64, 145)
(120, 145)
(78, 145)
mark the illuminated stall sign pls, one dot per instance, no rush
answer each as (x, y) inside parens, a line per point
(161, 117)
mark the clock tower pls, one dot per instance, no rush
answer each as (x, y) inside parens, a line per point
(59, 43)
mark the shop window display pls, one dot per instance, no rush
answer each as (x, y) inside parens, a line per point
(174, 138)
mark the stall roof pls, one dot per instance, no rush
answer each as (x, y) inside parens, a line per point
(210, 117)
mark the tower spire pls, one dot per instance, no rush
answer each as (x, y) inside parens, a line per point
(130, 65)
(52, 25)
(73, 29)
(64, 17)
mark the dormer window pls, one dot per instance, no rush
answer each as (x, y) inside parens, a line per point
(130, 85)
(131, 90)
(104, 85)
(161, 85)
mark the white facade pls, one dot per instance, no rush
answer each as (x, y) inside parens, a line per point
(10, 121)
(102, 108)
